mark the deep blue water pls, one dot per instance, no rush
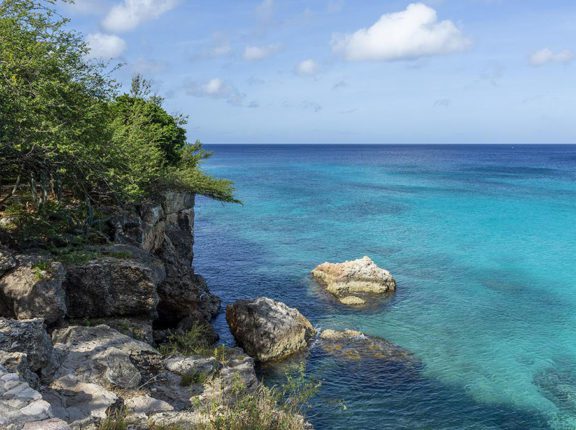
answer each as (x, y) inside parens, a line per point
(482, 241)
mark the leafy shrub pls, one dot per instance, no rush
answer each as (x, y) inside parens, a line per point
(196, 341)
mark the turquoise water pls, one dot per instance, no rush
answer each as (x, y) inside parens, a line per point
(482, 241)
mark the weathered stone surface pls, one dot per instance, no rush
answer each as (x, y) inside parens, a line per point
(17, 362)
(51, 424)
(136, 328)
(188, 365)
(114, 287)
(355, 345)
(19, 403)
(268, 330)
(146, 405)
(7, 261)
(144, 229)
(350, 279)
(80, 404)
(102, 355)
(34, 289)
(28, 337)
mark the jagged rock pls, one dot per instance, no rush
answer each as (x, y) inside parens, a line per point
(355, 345)
(17, 362)
(123, 284)
(19, 403)
(187, 365)
(7, 261)
(145, 230)
(80, 404)
(28, 337)
(34, 289)
(93, 363)
(103, 355)
(350, 279)
(183, 293)
(268, 330)
(51, 424)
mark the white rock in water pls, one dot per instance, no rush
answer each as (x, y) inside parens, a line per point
(346, 280)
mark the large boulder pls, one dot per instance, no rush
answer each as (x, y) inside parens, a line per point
(102, 355)
(352, 281)
(20, 403)
(268, 330)
(94, 366)
(28, 337)
(34, 289)
(123, 283)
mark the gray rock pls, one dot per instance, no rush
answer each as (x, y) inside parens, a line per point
(80, 404)
(350, 279)
(181, 420)
(136, 328)
(34, 289)
(104, 356)
(28, 337)
(19, 403)
(114, 286)
(17, 362)
(268, 330)
(7, 261)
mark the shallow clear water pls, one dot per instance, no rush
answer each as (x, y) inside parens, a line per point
(482, 241)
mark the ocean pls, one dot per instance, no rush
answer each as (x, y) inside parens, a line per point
(482, 242)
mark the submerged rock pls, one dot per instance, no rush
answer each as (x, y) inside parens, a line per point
(350, 279)
(355, 345)
(268, 330)
(559, 386)
(34, 289)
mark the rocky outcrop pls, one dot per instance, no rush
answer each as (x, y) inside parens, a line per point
(121, 283)
(104, 356)
(352, 281)
(19, 403)
(268, 330)
(28, 337)
(34, 289)
(166, 230)
(355, 345)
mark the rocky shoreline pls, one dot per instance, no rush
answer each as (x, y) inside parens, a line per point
(85, 334)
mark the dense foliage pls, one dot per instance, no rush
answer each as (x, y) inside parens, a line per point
(69, 143)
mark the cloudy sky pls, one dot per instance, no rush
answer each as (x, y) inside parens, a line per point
(349, 71)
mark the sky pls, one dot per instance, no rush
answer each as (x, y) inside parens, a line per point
(348, 71)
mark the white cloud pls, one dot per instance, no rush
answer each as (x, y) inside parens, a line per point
(307, 68)
(546, 55)
(216, 88)
(412, 33)
(254, 53)
(105, 46)
(131, 13)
